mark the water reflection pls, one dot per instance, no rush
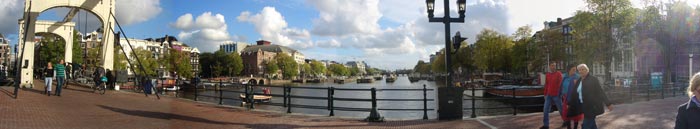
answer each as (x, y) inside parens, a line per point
(402, 82)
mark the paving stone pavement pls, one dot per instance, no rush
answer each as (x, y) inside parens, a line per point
(79, 108)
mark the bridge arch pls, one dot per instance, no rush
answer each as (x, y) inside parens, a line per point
(102, 9)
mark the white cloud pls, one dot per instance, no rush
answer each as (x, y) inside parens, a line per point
(205, 32)
(10, 12)
(273, 27)
(344, 17)
(402, 45)
(136, 11)
(328, 43)
(184, 22)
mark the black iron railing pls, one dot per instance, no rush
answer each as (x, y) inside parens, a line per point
(287, 96)
(615, 95)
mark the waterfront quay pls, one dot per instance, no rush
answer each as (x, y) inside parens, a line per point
(79, 108)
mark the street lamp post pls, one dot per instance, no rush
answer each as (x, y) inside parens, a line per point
(449, 97)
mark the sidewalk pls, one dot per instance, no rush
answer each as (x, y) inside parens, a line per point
(80, 108)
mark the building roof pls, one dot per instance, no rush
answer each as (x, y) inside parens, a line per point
(269, 48)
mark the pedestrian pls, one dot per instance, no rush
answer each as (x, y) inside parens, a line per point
(689, 112)
(110, 79)
(592, 97)
(551, 93)
(60, 76)
(48, 77)
(571, 108)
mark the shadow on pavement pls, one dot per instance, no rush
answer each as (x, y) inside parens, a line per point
(8, 93)
(171, 116)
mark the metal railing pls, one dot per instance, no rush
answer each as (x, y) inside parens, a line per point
(643, 92)
(329, 97)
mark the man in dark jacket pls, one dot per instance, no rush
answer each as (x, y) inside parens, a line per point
(592, 97)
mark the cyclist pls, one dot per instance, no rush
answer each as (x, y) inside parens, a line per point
(97, 76)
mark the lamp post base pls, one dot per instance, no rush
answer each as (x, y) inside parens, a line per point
(450, 103)
(374, 116)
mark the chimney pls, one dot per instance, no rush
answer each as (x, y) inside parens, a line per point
(559, 21)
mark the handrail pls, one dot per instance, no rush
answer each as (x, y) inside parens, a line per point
(219, 89)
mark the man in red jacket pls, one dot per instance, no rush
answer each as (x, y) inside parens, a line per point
(551, 93)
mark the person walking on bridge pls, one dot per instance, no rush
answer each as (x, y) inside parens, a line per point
(592, 97)
(48, 77)
(551, 93)
(60, 76)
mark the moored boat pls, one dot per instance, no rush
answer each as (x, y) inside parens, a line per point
(365, 80)
(391, 79)
(518, 91)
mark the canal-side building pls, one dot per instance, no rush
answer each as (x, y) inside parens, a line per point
(361, 65)
(255, 56)
(157, 49)
(622, 67)
(5, 54)
(231, 46)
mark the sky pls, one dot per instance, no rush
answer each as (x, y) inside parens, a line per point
(387, 34)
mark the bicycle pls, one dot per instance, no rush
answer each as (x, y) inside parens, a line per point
(101, 88)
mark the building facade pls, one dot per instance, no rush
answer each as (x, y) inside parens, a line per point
(255, 56)
(230, 46)
(157, 49)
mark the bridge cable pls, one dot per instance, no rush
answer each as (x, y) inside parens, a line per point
(132, 50)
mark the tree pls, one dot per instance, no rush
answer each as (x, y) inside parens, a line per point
(271, 67)
(602, 30)
(438, 65)
(77, 50)
(306, 69)
(92, 57)
(206, 64)
(492, 51)
(120, 62)
(317, 68)
(338, 70)
(178, 62)
(236, 64)
(422, 67)
(287, 64)
(147, 60)
(354, 71)
(52, 49)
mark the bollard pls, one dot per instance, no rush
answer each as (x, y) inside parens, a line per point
(374, 115)
(284, 95)
(221, 95)
(245, 100)
(252, 96)
(289, 99)
(195, 92)
(648, 90)
(663, 89)
(512, 102)
(330, 100)
(425, 103)
(473, 102)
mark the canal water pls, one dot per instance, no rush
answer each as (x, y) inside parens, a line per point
(402, 82)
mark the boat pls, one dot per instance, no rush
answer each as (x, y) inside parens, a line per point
(298, 81)
(477, 93)
(413, 77)
(390, 79)
(339, 81)
(365, 80)
(378, 78)
(520, 91)
(313, 80)
(259, 97)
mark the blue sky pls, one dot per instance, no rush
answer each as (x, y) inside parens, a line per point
(389, 34)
